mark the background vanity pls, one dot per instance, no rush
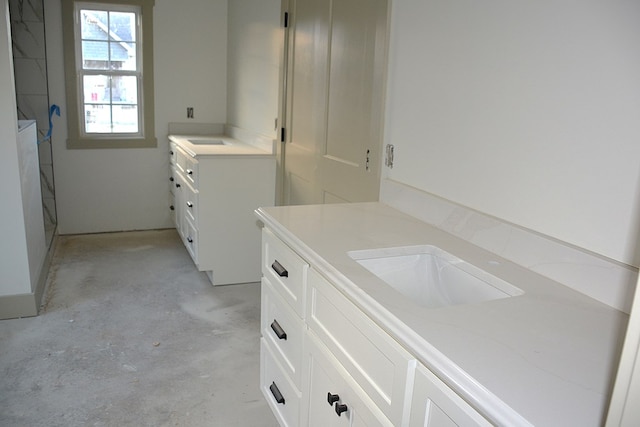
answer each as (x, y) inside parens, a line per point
(216, 181)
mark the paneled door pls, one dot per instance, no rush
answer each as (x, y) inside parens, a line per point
(335, 95)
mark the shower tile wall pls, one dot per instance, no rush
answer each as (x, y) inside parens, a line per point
(29, 57)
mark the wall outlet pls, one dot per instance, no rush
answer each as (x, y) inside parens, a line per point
(189, 112)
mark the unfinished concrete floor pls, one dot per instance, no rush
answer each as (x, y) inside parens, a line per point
(131, 334)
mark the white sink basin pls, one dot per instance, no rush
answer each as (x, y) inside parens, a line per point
(207, 141)
(432, 277)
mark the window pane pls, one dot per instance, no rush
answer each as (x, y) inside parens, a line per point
(123, 56)
(97, 118)
(123, 25)
(125, 118)
(124, 90)
(96, 89)
(94, 24)
(95, 55)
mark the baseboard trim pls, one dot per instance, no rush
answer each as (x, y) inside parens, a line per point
(28, 305)
(13, 306)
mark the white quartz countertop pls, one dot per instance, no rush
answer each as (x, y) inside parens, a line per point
(232, 147)
(545, 358)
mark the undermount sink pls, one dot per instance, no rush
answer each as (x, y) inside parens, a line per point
(207, 141)
(432, 277)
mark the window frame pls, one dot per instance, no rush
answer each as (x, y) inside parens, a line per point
(77, 137)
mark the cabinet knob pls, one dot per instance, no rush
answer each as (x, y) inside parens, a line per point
(172, 208)
(171, 152)
(189, 239)
(177, 185)
(189, 172)
(332, 398)
(190, 204)
(171, 179)
(340, 408)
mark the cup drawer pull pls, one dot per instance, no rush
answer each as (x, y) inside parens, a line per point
(278, 268)
(276, 393)
(280, 333)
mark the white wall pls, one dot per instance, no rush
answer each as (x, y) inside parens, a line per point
(126, 189)
(527, 111)
(14, 267)
(255, 42)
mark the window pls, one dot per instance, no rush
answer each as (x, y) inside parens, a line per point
(109, 73)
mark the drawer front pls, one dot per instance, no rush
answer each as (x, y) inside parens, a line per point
(284, 330)
(172, 207)
(278, 389)
(188, 166)
(379, 365)
(173, 153)
(172, 179)
(286, 271)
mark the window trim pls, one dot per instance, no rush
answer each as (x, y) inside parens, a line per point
(76, 139)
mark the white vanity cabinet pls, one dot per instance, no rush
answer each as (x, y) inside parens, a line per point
(212, 199)
(324, 362)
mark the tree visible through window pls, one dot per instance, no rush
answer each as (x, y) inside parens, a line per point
(109, 66)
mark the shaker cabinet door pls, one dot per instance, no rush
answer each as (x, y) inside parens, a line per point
(334, 399)
(436, 405)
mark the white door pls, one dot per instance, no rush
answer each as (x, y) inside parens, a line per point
(334, 108)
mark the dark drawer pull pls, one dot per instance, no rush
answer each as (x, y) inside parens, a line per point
(280, 333)
(276, 393)
(278, 268)
(332, 398)
(340, 408)
(189, 239)
(189, 172)
(190, 204)
(171, 179)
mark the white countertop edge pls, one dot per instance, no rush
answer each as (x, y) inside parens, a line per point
(235, 148)
(474, 393)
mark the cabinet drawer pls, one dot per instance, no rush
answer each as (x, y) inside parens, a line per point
(172, 179)
(280, 393)
(376, 362)
(173, 153)
(172, 207)
(284, 330)
(188, 166)
(286, 271)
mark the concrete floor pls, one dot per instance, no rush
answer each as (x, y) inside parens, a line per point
(131, 334)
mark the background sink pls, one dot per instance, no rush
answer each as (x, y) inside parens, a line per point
(432, 277)
(207, 141)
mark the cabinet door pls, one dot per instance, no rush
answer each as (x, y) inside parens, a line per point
(436, 405)
(329, 382)
(377, 363)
